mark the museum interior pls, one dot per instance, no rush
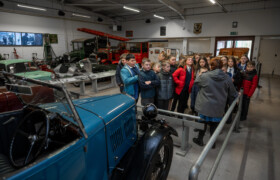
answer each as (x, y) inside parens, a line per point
(140, 89)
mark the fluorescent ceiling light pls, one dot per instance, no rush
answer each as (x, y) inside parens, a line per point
(160, 17)
(131, 9)
(31, 7)
(80, 15)
(212, 1)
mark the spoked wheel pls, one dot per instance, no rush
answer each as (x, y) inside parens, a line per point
(161, 161)
(29, 138)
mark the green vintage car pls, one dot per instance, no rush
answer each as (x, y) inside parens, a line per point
(25, 68)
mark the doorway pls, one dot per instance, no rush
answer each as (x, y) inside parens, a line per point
(269, 55)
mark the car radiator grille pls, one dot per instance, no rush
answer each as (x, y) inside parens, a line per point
(116, 139)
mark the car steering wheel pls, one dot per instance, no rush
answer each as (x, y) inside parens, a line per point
(29, 138)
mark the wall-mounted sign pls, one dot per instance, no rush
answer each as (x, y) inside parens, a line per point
(53, 38)
(234, 33)
(197, 27)
(163, 31)
(129, 34)
(234, 24)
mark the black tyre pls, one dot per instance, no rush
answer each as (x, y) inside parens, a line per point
(161, 161)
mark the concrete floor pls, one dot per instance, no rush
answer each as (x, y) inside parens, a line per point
(254, 153)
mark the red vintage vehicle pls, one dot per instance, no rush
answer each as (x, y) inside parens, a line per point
(110, 55)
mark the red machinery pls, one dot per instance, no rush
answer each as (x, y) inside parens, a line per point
(109, 55)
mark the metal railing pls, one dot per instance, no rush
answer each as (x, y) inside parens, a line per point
(195, 169)
(187, 122)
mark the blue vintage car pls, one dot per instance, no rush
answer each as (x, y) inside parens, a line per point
(57, 137)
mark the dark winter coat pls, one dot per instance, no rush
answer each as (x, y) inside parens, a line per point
(166, 87)
(240, 67)
(250, 82)
(216, 88)
(148, 91)
(179, 77)
(118, 74)
(237, 77)
(173, 68)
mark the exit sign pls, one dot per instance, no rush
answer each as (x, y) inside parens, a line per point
(233, 33)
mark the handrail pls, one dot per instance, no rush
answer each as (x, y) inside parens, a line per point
(195, 169)
(176, 113)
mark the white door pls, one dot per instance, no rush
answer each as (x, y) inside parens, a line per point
(269, 56)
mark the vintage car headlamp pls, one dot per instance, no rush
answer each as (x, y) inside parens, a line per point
(53, 76)
(12, 69)
(82, 65)
(150, 111)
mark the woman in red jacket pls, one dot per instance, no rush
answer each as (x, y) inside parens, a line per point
(249, 85)
(183, 78)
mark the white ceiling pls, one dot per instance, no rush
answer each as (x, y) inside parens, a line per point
(170, 9)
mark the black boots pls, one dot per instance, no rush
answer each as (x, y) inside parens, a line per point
(199, 139)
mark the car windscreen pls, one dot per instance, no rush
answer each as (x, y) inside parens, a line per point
(50, 99)
(21, 67)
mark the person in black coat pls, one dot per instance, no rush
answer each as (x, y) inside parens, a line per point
(172, 62)
(119, 80)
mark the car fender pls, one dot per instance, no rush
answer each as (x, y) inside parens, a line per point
(136, 162)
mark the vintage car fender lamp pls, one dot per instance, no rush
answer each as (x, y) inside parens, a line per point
(150, 111)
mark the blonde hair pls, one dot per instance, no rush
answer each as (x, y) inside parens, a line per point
(144, 60)
(123, 56)
(155, 64)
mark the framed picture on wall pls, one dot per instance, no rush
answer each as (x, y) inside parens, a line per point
(234, 24)
(163, 31)
(129, 34)
(53, 38)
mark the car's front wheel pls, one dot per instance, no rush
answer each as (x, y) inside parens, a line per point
(161, 161)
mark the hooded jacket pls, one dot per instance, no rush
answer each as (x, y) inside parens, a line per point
(250, 82)
(166, 88)
(216, 88)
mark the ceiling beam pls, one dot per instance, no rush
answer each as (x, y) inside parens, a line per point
(223, 8)
(111, 5)
(173, 6)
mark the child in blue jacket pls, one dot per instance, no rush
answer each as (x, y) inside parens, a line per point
(129, 75)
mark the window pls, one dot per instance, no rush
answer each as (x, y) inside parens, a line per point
(234, 42)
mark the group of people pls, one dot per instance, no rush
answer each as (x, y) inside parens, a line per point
(212, 84)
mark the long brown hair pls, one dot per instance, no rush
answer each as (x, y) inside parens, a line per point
(206, 64)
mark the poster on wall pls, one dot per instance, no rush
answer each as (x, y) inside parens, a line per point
(31, 39)
(7, 39)
(197, 27)
(20, 39)
(53, 38)
(129, 33)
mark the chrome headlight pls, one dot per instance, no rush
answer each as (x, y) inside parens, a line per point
(53, 76)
